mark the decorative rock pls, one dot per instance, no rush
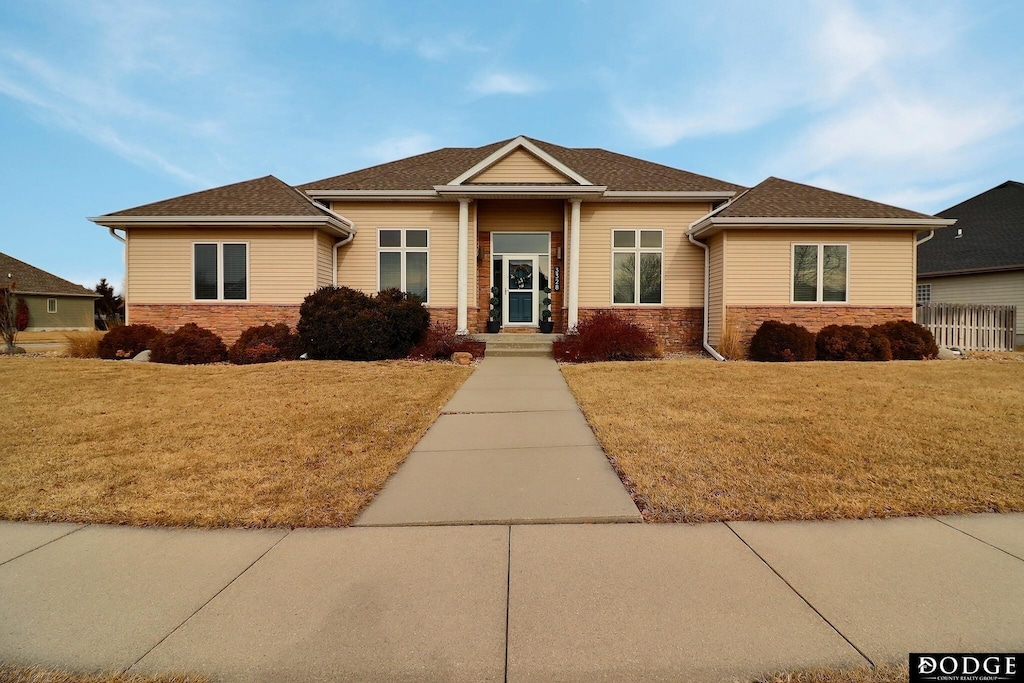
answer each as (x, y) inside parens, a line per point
(143, 357)
(462, 358)
(19, 350)
(948, 354)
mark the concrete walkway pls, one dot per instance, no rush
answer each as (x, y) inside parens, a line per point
(713, 602)
(511, 447)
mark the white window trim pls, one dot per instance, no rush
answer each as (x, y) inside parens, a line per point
(220, 272)
(51, 309)
(637, 250)
(820, 279)
(403, 250)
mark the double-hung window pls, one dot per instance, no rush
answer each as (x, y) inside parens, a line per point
(220, 271)
(402, 260)
(51, 305)
(637, 266)
(820, 273)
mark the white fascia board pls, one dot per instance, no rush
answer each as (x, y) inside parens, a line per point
(668, 195)
(84, 295)
(520, 142)
(232, 221)
(712, 222)
(520, 190)
(371, 194)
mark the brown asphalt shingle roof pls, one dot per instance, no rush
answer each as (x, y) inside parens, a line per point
(599, 166)
(31, 280)
(778, 198)
(267, 196)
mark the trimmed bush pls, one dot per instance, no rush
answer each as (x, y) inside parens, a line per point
(127, 341)
(908, 340)
(338, 323)
(21, 315)
(441, 341)
(605, 336)
(776, 342)
(852, 342)
(265, 344)
(189, 345)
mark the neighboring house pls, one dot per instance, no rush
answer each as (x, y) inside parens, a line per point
(53, 302)
(980, 260)
(604, 231)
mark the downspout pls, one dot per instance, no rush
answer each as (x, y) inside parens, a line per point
(917, 243)
(338, 245)
(707, 296)
(931, 234)
(116, 236)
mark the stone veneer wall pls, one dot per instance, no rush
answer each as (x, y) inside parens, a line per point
(227, 320)
(678, 329)
(746, 319)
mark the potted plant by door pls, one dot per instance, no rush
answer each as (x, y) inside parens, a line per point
(494, 315)
(547, 325)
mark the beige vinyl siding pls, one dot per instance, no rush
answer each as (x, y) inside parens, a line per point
(683, 283)
(73, 312)
(716, 288)
(517, 215)
(281, 268)
(324, 259)
(880, 263)
(1005, 289)
(520, 167)
(357, 262)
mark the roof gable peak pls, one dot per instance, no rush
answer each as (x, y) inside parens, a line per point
(520, 142)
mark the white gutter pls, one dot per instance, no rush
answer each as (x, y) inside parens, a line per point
(116, 236)
(707, 296)
(710, 221)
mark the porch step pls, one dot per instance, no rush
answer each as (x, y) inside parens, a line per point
(532, 345)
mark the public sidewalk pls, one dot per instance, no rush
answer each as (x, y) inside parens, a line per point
(511, 447)
(586, 602)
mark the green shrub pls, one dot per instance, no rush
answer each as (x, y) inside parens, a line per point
(606, 336)
(853, 343)
(338, 323)
(265, 344)
(189, 345)
(776, 342)
(908, 340)
(127, 341)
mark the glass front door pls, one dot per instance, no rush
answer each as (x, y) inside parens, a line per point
(520, 289)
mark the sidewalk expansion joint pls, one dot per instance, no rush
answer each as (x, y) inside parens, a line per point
(203, 606)
(799, 595)
(980, 540)
(52, 540)
(508, 598)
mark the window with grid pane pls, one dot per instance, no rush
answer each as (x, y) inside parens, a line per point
(403, 260)
(637, 256)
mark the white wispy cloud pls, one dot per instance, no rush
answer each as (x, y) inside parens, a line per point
(398, 147)
(505, 83)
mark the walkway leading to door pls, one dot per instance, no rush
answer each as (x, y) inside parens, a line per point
(511, 447)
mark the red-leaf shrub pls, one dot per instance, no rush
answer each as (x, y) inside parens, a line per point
(776, 342)
(606, 336)
(909, 341)
(127, 341)
(21, 315)
(441, 341)
(265, 344)
(852, 342)
(338, 323)
(189, 345)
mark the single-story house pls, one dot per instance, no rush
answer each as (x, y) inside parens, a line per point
(980, 260)
(682, 253)
(53, 302)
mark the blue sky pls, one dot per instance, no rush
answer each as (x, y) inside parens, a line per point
(108, 105)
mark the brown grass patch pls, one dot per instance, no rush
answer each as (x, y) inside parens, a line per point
(18, 674)
(699, 441)
(731, 345)
(282, 444)
(83, 344)
(881, 674)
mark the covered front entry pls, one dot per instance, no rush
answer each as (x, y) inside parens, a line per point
(521, 270)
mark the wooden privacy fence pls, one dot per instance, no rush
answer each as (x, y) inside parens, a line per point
(972, 327)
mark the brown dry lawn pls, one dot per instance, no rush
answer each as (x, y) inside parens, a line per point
(881, 674)
(695, 440)
(18, 674)
(282, 444)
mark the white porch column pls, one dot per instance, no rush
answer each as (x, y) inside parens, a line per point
(574, 264)
(463, 269)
